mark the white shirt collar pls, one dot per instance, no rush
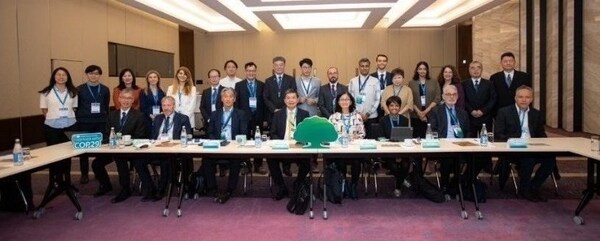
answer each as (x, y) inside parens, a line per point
(519, 109)
(512, 73)
(380, 72)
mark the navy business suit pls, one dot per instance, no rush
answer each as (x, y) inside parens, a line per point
(483, 99)
(273, 95)
(134, 126)
(506, 94)
(387, 78)
(242, 102)
(205, 103)
(278, 128)
(386, 124)
(508, 125)
(326, 105)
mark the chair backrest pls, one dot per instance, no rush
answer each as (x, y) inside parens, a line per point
(374, 131)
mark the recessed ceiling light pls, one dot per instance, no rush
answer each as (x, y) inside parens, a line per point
(444, 11)
(320, 7)
(322, 20)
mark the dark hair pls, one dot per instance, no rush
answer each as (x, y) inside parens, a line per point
(393, 99)
(69, 84)
(381, 55)
(211, 70)
(507, 54)
(250, 64)
(147, 90)
(230, 61)
(279, 58)
(121, 85)
(364, 60)
(290, 91)
(396, 71)
(416, 75)
(306, 61)
(338, 108)
(455, 77)
(93, 68)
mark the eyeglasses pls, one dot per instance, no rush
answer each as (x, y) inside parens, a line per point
(451, 94)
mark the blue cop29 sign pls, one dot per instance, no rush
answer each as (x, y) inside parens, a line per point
(87, 140)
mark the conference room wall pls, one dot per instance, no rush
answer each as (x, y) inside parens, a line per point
(340, 48)
(37, 33)
(591, 65)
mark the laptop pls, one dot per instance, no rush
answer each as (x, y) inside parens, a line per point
(400, 133)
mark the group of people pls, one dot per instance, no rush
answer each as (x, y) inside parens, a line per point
(230, 106)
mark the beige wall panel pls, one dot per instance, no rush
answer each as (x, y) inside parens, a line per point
(568, 66)
(66, 35)
(9, 56)
(552, 65)
(591, 64)
(116, 26)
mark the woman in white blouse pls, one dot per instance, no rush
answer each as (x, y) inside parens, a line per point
(345, 119)
(58, 102)
(184, 92)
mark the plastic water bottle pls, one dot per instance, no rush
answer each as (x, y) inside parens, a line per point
(18, 153)
(257, 138)
(483, 136)
(112, 139)
(344, 140)
(183, 138)
(429, 133)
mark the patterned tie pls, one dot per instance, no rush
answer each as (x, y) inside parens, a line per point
(166, 127)
(508, 80)
(333, 92)
(291, 118)
(382, 81)
(123, 119)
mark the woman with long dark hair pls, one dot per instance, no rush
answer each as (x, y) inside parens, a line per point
(127, 80)
(426, 95)
(449, 76)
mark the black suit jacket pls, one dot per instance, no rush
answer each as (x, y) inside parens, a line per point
(388, 77)
(273, 96)
(239, 123)
(386, 124)
(484, 99)
(134, 125)
(205, 103)
(325, 103)
(279, 122)
(506, 94)
(242, 100)
(179, 120)
(508, 124)
(439, 121)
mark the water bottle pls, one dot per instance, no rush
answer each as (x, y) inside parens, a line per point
(18, 153)
(344, 140)
(429, 133)
(257, 138)
(112, 139)
(183, 138)
(483, 136)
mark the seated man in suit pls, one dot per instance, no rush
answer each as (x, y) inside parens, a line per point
(167, 125)
(387, 122)
(127, 121)
(225, 124)
(450, 122)
(283, 126)
(521, 120)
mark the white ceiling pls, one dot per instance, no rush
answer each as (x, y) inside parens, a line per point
(282, 15)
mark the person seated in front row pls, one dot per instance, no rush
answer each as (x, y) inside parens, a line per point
(127, 121)
(522, 121)
(387, 122)
(283, 126)
(346, 119)
(450, 123)
(166, 126)
(225, 123)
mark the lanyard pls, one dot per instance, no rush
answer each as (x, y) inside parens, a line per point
(155, 97)
(398, 92)
(306, 88)
(346, 123)
(252, 89)
(227, 121)
(423, 88)
(453, 119)
(361, 87)
(62, 102)
(167, 125)
(395, 121)
(92, 93)
(179, 93)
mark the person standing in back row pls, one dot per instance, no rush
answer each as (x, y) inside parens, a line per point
(507, 81)
(366, 90)
(426, 95)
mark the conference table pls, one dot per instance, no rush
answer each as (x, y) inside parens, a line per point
(563, 146)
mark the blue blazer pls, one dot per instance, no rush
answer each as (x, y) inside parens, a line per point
(386, 124)
(242, 100)
(239, 123)
(179, 120)
(439, 121)
(279, 122)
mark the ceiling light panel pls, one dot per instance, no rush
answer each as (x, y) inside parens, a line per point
(322, 20)
(444, 11)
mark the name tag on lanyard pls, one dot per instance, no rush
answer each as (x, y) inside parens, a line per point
(95, 108)
(63, 112)
(252, 102)
(155, 109)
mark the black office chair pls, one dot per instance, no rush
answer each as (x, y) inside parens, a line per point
(508, 167)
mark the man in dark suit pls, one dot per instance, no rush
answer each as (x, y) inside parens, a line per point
(211, 96)
(384, 77)
(225, 124)
(167, 126)
(507, 81)
(329, 92)
(127, 121)
(275, 88)
(522, 121)
(282, 128)
(449, 122)
(249, 94)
